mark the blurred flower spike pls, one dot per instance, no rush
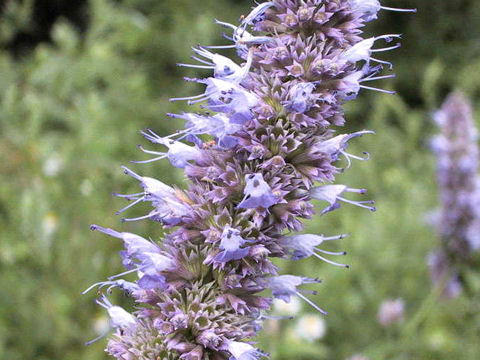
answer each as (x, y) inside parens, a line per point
(259, 149)
(456, 149)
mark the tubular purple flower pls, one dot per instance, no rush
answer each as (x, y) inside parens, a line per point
(230, 244)
(305, 245)
(257, 193)
(263, 150)
(362, 51)
(285, 286)
(126, 286)
(169, 208)
(243, 351)
(332, 194)
(301, 98)
(133, 243)
(178, 153)
(368, 9)
(257, 14)
(336, 146)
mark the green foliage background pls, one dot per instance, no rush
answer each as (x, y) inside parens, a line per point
(70, 111)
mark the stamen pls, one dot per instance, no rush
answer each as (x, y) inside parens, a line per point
(148, 216)
(202, 61)
(195, 66)
(387, 48)
(131, 173)
(128, 196)
(390, 65)
(124, 273)
(151, 152)
(149, 161)
(193, 102)
(388, 37)
(358, 191)
(331, 262)
(109, 232)
(378, 78)
(311, 303)
(366, 158)
(224, 24)
(95, 285)
(219, 47)
(359, 203)
(152, 137)
(377, 89)
(331, 252)
(397, 9)
(130, 205)
(338, 237)
(88, 343)
(187, 98)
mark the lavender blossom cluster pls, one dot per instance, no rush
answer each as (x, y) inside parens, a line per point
(457, 154)
(258, 150)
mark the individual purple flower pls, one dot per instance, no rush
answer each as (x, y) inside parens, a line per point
(127, 286)
(169, 207)
(257, 193)
(333, 195)
(243, 351)
(362, 51)
(141, 256)
(119, 317)
(218, 125)
(305, 245)
(178, 153)
(285, 286)
(337, 145)
(231, 245)
(257, 14)
(301, 98)
(368, 9)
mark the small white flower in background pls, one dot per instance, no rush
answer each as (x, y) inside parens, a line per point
(49, 224)
(311, 327)
(282, 308)
(86, 187)
(53, 165)
(358, 357)
(390, 312)
(101, 325)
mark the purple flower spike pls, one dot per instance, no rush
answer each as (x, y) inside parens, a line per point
(257, 153)
(257, 193)
(458, 157)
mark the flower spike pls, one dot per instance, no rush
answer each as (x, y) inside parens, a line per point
(257, 153)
